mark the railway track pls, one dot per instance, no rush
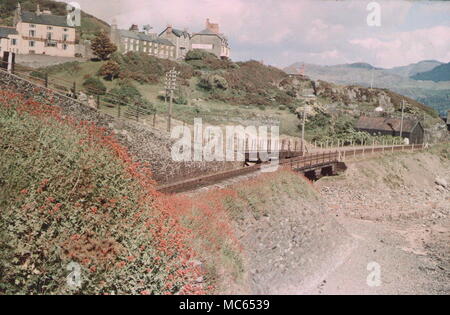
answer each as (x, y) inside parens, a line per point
(307, 163)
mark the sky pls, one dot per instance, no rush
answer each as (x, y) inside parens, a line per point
(282, 32)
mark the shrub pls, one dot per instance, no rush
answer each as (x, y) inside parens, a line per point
(198, 54)
(71, 193)
(94, 86)
(110, 70)
(212, 82)
(102, 46)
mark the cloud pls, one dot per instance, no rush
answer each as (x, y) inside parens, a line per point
(312, 31)
(403, 48)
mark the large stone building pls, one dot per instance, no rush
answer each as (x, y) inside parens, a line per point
(181, 40)
(39, 33)
(171, 43)
(210, 39)
(144, 42)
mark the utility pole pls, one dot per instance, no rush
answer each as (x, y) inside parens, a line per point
(171, 83)
(403, 116)
(303, 130)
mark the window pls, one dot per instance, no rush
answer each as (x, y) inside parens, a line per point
(49, 27)
(65, 46)
(13, 42)
(65, 37)
(31, 43)
(32, 33)
(49, 36)
(32, 26)
(66, 30)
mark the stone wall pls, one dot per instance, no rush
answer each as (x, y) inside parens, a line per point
(145, 143)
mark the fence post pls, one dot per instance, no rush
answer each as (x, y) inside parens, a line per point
(98, 101)
(137, 111)
(46, 79)
(75, 90)
(118, 110)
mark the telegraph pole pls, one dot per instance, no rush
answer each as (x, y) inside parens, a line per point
(303, 130)
(403, 115)
(171, 83)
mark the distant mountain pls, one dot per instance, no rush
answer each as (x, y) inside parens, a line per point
(362, 65)
(437, 74)
(433, 94)
(415, 68)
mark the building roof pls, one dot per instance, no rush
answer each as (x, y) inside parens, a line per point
(180, 33)
(177, 32)
(144, 37)
(5, 31)
(207, 31)
(385, 124)
(45, 19)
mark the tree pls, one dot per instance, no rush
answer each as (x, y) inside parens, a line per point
(102, 46)
(110, 70)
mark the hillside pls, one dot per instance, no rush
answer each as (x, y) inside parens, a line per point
(248, 93)
(72, 193)
(415, 68)
(438, 74)
(89, 24)
(433, 94)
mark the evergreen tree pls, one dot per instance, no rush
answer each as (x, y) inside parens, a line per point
(102, 46)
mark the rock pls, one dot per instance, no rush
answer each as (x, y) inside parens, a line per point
(441, 182)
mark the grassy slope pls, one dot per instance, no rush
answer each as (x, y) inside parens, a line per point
(70, 192)
(253, 92)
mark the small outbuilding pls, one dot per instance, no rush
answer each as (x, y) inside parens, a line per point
(412, 129)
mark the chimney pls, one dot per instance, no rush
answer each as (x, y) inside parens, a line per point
(38, 10)
(169, 28)
(134, 28)
(214, 27)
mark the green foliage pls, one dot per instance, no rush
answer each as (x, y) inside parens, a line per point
(71, 68)
(203, 60)
(110, 70)
(102, 46)
(148, 69)
(94, 86)
(211, 82)
(198, 54)
(125, 93)
(65, 201)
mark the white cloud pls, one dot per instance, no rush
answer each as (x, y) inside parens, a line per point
(281, 32)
